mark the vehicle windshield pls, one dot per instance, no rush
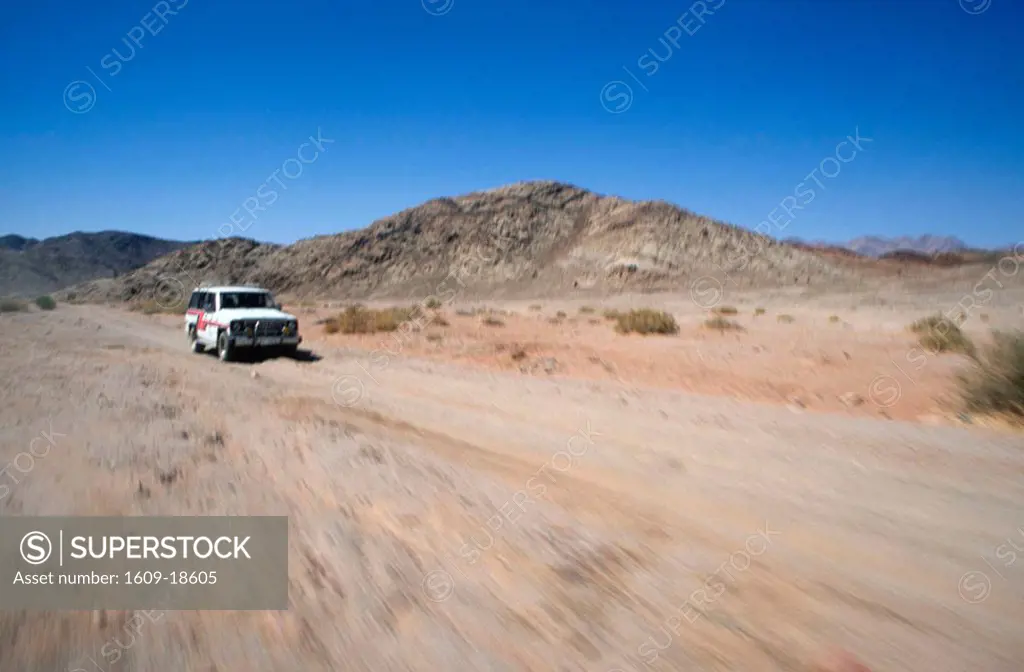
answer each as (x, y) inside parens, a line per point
(230, 300)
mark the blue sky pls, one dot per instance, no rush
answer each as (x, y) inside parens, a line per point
(196, 110)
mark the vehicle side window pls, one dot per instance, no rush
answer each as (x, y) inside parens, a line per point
(210, 304)
(193, 302)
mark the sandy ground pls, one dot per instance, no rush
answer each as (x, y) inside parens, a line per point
(467, 516)
(849, 354)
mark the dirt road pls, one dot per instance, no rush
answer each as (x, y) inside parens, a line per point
(443, 518)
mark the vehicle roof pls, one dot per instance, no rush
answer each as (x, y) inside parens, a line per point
(230, 288)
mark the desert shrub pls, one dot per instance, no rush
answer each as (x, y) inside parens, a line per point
(984, 317)
(46, 302)
(492, 321)
(759, 311)
(360, 320)
(554, 320)
(611, 314)
(465, 312)
(833, 319)
(587, 310)
(938, 333)
(536, 307)
(433, 303)
(594, 320)
(438, 320)
(10, 304)
(725, 310)
(996, 383)
(332, 326)
(786, 319)
(646, 321)
(434, 338)
(561, 314)
(720, 323)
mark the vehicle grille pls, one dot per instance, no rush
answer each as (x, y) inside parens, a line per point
(270, 327)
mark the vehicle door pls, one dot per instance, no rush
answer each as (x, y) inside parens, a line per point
(207, 322)
(193, 312)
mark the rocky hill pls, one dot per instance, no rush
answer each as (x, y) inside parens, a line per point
(533, 238)
(31, 267)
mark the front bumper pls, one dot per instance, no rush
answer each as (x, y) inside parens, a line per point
(264, 341)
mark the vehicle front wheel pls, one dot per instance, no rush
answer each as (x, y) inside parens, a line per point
(224, 349)
(193, 342)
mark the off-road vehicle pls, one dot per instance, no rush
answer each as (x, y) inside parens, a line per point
(232, 319)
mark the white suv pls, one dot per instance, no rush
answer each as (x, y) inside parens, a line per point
(232, 318)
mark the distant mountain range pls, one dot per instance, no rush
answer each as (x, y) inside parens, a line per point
(30, 267)
(535, 238)
(878, 246)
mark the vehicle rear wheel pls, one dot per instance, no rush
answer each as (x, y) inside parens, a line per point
(224, 349)
(193, 341)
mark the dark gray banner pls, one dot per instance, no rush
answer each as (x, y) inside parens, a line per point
(215, 562)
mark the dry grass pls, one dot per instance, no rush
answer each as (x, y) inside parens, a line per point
(561, 315)
(785, 319)
(491, 321)
(536, 307)
(720, 323)
(984, 318)
(725, 310)
(12, 305)
(646, 321)
(938, 333)
(759, 312)
(611, 314)
(434, 338)
(432, 303)
(834, 319)
(362, 320)
(587, 310)
(996, 384)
